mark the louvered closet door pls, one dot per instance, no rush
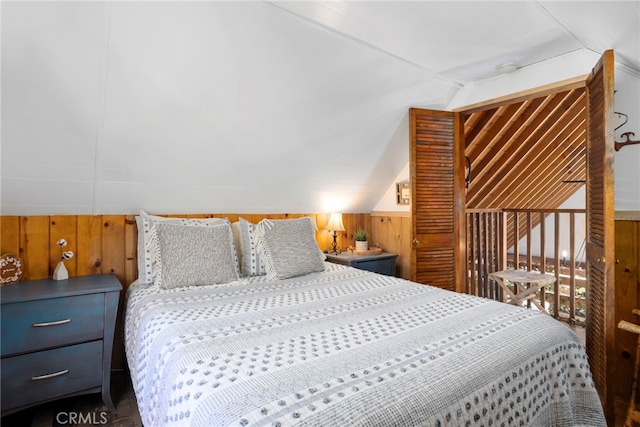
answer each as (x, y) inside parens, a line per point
(437, 198)
(601, 326)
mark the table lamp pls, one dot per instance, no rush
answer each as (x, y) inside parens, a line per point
(335, 225)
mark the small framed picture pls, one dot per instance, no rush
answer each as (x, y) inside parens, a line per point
(403, 193)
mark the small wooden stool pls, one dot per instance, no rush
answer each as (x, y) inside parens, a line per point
(633, 414)
(521, 292)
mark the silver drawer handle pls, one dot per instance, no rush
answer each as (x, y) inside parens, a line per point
(44, 377)
(57, 322)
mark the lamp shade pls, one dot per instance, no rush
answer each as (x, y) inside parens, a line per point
(335, 222)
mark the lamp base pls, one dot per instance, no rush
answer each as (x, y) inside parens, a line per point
(334, 245)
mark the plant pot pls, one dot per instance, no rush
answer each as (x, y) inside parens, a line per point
(362, 246)
(60, 273)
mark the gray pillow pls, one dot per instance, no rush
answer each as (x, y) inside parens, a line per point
(289, 248)
(148, 252)
(192, 255)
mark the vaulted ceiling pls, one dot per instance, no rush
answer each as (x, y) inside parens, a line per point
(252, 106)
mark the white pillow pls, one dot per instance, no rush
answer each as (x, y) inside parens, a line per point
(247, 244)
(148, 253)
(289, 247)
(194, 255)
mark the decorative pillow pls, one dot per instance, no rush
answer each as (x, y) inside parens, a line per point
(289, 247)
(148, 253)
(194, 255)
(247, 244)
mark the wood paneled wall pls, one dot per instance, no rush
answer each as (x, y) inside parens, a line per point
(108, 244)
(392, 232)
(627, 298)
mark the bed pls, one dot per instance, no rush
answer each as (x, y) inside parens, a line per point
(340, 346)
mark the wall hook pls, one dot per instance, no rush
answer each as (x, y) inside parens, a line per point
(618, 145)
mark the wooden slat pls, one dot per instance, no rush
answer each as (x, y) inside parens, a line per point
(89, 256)
(548, 161)
(552, 88)
(63, 227)
(113, 247)
(543, 252)
(10, 235)
(516, 240)
(572, 266)
(627, 278)
(472, 284)
(528, 237)
(130, 249)
(521, 153)
(34, 247)
(556, 285)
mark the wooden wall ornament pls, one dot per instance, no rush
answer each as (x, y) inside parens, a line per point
(10, 269)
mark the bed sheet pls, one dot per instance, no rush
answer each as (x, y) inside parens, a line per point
(350, 347)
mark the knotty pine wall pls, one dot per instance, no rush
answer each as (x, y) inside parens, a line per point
(108, 244)
(392, 232)
(627, 298)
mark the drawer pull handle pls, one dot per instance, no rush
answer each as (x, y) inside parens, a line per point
(57, 322)
(44, 377)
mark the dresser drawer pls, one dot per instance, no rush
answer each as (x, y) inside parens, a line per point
(383, 266)
(48, 374)
(40, 324)
(384, 263)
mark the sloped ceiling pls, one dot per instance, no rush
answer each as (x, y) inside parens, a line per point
(112, 107)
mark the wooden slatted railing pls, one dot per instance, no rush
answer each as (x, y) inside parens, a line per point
(511, 238)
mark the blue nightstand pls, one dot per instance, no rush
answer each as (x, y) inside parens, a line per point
(384, 263)
(57, 338)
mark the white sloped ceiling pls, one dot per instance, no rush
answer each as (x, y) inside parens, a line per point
(245, 106)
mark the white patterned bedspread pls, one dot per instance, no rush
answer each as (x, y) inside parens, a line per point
(348, 347)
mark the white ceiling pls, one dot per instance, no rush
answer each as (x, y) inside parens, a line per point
(252, 106)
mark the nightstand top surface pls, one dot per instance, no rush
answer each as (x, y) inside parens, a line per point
(47, 288)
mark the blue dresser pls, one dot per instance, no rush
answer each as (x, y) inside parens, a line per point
(384, 263)
(57, 338)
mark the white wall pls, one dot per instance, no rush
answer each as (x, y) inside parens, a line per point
(627, 161)
(113, 107)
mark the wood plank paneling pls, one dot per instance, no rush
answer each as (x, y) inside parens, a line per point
(10, 235)
(108, 243)
(34, 247)
(89, 255)
(392, 232)
(627, 278)
(113, 247)
(63, 227)
(130, 249)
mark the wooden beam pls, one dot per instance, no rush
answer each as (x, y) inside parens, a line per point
(561, 86)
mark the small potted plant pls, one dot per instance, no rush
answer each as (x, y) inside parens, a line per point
(362, 244)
